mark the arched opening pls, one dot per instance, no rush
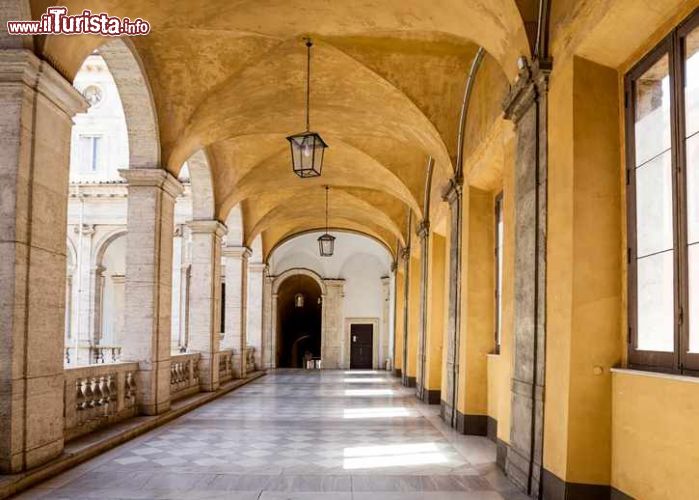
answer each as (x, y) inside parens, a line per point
(110, 295)
(299, 310)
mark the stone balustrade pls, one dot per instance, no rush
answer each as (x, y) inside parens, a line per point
(184, 375)
(249, 359)
(98, 395)
(225, 366)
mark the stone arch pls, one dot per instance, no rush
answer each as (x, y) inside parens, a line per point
(104, 243)
(128, 72)
(278, 280)
(203, 206)
(296, 234)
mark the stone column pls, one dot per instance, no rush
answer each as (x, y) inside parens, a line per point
(404, 313)
(332, 330)
(384, 346)
(526, 106)
(97, 283)
(35, 127)
(235, 314)
(177, 288)
(119, 282)
(146, 336)
(453, 196)
(269, 324)
(205, 298)
(258, 297)
(423, 232)
(85, 292)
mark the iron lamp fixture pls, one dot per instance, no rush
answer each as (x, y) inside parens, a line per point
(307, 148)
(326, 242)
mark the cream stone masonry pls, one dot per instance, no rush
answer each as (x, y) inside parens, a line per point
(205, 298)
(235, 337)
(255, 302)
(146, 336)
(35, 126)
(332, 339)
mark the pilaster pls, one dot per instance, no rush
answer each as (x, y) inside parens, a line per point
(37, 106)
(149, 239)
(205, 298)
(526, 106)
(235, 337)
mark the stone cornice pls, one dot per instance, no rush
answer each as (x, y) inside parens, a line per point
(22, 66)
(152, 177)
(207, 227)
(531, 83)
(237, 252)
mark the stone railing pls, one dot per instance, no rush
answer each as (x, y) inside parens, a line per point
(184, 375)
(225, 366)
(98, 395)
(92, 355)
(249, 359)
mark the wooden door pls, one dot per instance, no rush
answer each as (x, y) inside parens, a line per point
(362, 342)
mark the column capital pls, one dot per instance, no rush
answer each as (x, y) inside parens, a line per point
(257, 266)
(453, 190)
(152, 177)
(423, 229)
(22, 66)
(237, 252)
(207, 227)
(404, 253)
(531, 83)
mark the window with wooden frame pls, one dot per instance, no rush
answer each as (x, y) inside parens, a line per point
(499, 244)
(662, 139)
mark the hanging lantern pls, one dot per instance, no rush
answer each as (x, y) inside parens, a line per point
(326, 242)
(307, 148)
(327, 245)
(299, 300)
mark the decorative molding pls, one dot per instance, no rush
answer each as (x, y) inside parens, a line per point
(207, 227)
(423, 229)
(152, 177)
(22, 66)
(237, 252)
(532, 81)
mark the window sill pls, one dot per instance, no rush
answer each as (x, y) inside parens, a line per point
(667, 376)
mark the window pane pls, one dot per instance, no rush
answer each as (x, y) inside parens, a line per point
(694, 297)
(655, 304)
(652, 108)
(691, 89)
(693, 189)
(654, 232)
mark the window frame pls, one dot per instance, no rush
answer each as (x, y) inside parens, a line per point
(679, 360)
(499, 215)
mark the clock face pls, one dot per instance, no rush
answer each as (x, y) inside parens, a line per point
(93, 94)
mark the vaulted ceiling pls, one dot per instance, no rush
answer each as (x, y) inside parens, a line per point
(388, 78)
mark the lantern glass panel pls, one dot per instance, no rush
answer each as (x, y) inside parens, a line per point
(307, 151)
(326, 245)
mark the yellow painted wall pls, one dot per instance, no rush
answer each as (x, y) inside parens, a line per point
(655, 439)
(584, 268)
(399, 326)
(413, 315)
(435, 312)
(477, 325)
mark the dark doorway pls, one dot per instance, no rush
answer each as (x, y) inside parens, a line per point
(362, 342)
(298, 322)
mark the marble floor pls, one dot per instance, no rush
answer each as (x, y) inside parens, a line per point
(301, 435)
